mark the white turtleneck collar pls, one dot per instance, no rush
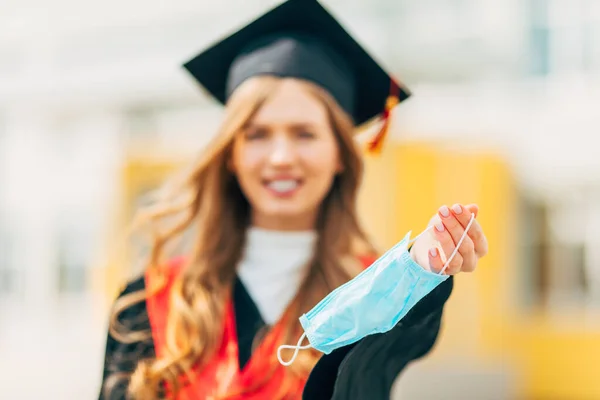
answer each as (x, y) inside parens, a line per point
(273, 266)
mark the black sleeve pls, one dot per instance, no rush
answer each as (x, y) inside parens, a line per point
(121, 358)
(368, 368)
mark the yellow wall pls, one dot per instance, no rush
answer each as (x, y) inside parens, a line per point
(561, 360)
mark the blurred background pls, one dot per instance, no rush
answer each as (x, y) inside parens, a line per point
(95, 111)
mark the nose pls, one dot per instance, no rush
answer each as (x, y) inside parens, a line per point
(283, 151)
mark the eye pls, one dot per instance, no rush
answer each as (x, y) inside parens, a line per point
(255, 133)
(305, 134)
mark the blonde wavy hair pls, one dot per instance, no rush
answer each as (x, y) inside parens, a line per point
(207, 201)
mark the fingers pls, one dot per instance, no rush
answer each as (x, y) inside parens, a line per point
(435, 260)
(448, 246)
(478, 239)
(474, 208)
(456, 231)
(453, 223)
(463, 215)
(449, 227)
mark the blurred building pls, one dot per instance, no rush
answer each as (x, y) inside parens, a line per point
(95, 111)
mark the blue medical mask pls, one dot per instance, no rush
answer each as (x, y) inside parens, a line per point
(373, 302)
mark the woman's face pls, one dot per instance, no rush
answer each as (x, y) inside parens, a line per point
(286, 158)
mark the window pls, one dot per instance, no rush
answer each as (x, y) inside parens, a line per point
(564, 36)
(75, 241)
(539, 37)
(592, 39)
(560, 263)
(8, 267)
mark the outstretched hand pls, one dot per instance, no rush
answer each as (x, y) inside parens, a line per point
(431, 250)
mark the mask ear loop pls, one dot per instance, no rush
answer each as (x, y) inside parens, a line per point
(462, 238)
(296, 348)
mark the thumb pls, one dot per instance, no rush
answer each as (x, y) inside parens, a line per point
(474, 208)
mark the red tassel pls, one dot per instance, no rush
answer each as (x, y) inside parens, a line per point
(376, 144)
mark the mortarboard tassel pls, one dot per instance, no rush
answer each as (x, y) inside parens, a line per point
(376, 144)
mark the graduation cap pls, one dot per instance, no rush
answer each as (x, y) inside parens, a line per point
(301, 39)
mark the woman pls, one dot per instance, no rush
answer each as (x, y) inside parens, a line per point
(270, 208)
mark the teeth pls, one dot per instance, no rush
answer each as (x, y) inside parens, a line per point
(283, 185)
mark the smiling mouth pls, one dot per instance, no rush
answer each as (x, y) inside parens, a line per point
(283, 187)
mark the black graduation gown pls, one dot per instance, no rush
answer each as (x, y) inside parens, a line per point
(365, 370)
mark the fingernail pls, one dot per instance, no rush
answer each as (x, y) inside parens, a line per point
(444, 211)
(433, 252)
(457, 209)
(439, 226)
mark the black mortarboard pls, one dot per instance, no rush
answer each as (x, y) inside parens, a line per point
(300, 39)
